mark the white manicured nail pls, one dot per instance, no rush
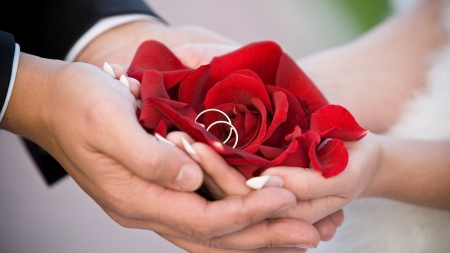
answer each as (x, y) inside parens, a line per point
(159, 137)
(108, 69)
(264, 181)
(124, 80)
(190, 150)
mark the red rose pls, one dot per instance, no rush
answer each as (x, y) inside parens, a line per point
(280, 116)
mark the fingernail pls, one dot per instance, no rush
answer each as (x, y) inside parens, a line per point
(159, 137)
(124, 80)
(188, 178)
(139, 103)
(108, 69)
(190, 150)
(264, 181)
(306, 245)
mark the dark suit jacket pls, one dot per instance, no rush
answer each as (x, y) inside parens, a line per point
(49, 29)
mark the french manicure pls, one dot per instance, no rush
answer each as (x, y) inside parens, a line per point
(108, 69)
(160, 138)
(306, 245)
(124, 80)
(190, 150)
(264, 181)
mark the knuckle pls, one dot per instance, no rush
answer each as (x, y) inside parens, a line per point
(304, 189)
(202, 234)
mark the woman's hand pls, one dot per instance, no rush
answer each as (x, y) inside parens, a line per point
(222, 180)
(318, 196)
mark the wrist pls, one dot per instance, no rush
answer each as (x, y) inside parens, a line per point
(26, 109)
(379, 177)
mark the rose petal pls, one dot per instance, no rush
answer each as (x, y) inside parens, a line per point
(331, 159)
(334, 121)
(172, 78)
(281, 107)
(150, 116)
(260, 57)
(237, 89)
(270, 152)
(191, 89)
(152, 85)
(293, 79)
(162, 127)
(250, 171)
(295, 115)
(153, 55)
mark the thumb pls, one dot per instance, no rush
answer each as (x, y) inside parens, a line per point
(140, 152)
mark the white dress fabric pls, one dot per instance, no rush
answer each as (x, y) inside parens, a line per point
(381, 225)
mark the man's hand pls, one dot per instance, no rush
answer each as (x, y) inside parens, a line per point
(86, 120)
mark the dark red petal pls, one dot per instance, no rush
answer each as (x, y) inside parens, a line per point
(334, 121)
(308, 142)
(281, 107)
(150, 116)
(237, 89)
(260, 57)
(293, 79)
(295, 115)
(294, 154)
(171, 78)
(331, 159)
(270, 152)
(249, 171)
(192, 88)
(163, 127)
(153, 55)
(262, 126)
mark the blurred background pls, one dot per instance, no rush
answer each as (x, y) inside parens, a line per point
(62, 218)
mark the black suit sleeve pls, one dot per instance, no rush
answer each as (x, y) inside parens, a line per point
(49, 29)
(7, 48)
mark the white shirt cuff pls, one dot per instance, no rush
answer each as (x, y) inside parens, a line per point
(100, 27)
(12, 80)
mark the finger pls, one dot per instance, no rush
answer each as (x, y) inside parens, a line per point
(338, 217)
(118, 70)
(135, 87)
(201, 248)
(222, 176)
(307, 183)
(314, 209)
(196, 216)
(267, 233)
(124, 140)
(326, 227)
